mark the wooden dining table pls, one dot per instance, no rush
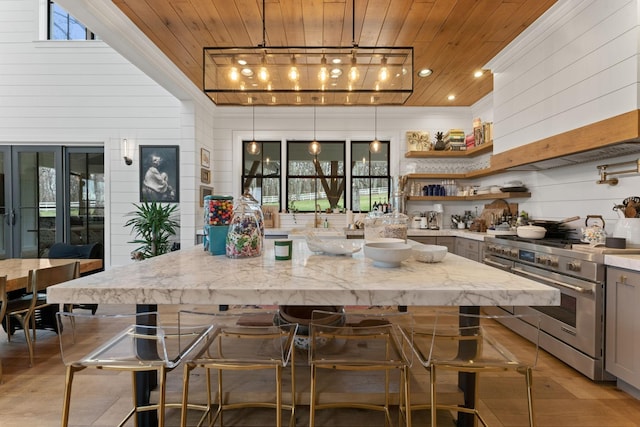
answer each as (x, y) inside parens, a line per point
(17, 269)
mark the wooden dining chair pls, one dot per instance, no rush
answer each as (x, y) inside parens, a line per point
(23, 308)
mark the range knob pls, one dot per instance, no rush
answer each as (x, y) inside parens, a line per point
(514, 253)
(574, 265)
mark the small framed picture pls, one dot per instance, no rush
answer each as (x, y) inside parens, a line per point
(205, 175)
(159, 173)
(205, 158)
(205, 191)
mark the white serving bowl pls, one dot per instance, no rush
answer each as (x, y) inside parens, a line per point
(429, 253)
(531, 231)
(334, 246)
(387, 254)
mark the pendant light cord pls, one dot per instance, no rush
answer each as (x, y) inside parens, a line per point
(253, 121)
(264, 26)
(353, 24)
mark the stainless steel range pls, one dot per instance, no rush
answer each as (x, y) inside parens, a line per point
(574, 330)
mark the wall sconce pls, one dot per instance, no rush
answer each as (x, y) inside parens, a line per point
(126, 149)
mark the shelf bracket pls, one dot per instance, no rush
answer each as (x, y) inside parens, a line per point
(606, 175)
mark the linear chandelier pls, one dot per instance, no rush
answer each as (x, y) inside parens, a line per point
(308, 75)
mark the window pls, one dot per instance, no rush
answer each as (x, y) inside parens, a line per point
(63, 26)
(370, 176)
(315, 182)
(261, 172)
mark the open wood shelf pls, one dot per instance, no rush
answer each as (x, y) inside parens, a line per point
(489, 196)
(428, 154)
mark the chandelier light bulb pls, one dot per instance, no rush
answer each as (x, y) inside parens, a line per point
(375, 146)
(294, 74)
(353, 71)
(234, 75)
(383, 75)
(323, 74)
(263, 74)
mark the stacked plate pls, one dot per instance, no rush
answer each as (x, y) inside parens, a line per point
(513, 187)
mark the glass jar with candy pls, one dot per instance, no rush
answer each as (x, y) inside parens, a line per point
(245, 237)
(218, 211)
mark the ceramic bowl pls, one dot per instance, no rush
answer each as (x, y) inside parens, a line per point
(387, 254)
(429, 253)
(531, 231)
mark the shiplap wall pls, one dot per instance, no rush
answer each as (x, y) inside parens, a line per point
(576, 65)
(83, 93)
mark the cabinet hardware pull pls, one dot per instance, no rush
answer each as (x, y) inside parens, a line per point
(555, 282)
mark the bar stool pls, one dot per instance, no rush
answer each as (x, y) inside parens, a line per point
(462, 343)
(126, 342)
(243, 341)
(23, 308)
(361, 342)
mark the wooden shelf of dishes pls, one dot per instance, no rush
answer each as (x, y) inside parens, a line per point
(487, 147)
(488, 196)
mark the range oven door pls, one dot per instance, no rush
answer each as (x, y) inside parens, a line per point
(577, 321)
(502, 264)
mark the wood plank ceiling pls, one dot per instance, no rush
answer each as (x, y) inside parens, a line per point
(454, 38)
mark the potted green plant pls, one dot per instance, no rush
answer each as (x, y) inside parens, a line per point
(154, 224)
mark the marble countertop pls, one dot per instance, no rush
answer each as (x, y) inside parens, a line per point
(631, 262)
(192, 276)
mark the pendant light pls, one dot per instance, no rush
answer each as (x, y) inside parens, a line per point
(314, 146)
(375, 146)
(253, 148)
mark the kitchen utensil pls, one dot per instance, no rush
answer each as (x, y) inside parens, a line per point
(531, 231)
(593, 234)
(630, 211)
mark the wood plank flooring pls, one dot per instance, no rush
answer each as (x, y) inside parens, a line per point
(563, 397)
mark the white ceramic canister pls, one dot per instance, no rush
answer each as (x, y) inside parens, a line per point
(628, 228)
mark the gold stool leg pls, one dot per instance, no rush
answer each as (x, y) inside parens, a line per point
(434, 402)
(312, 398)
(529, 380)
(162, 386)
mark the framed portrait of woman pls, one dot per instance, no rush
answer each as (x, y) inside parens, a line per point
(159, 173)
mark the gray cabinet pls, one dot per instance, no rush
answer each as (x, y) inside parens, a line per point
(448, 241)
(471, 249)
(622, 357)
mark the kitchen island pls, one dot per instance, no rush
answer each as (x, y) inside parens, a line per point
(192, 276)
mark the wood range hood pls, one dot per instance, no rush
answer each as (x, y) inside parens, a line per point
(612, 137)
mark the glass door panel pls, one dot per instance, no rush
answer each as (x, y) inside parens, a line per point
(85, 182)
(5, 204)
(37, 219)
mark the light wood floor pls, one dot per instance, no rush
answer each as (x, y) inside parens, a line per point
(563, 397)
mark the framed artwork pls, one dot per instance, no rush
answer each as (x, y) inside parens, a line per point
(205, 191)
(205, 175)
(205, 158)
(159, 173)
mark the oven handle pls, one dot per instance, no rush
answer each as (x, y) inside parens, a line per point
(496, 264)
(555, 282)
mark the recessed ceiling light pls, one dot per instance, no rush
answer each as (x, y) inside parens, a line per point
(478, 73)
(336, 61)
(425, 72)
(451, 97)
(242, 62)
(246, 72)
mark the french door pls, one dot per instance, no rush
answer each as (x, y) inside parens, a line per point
(49, 194)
